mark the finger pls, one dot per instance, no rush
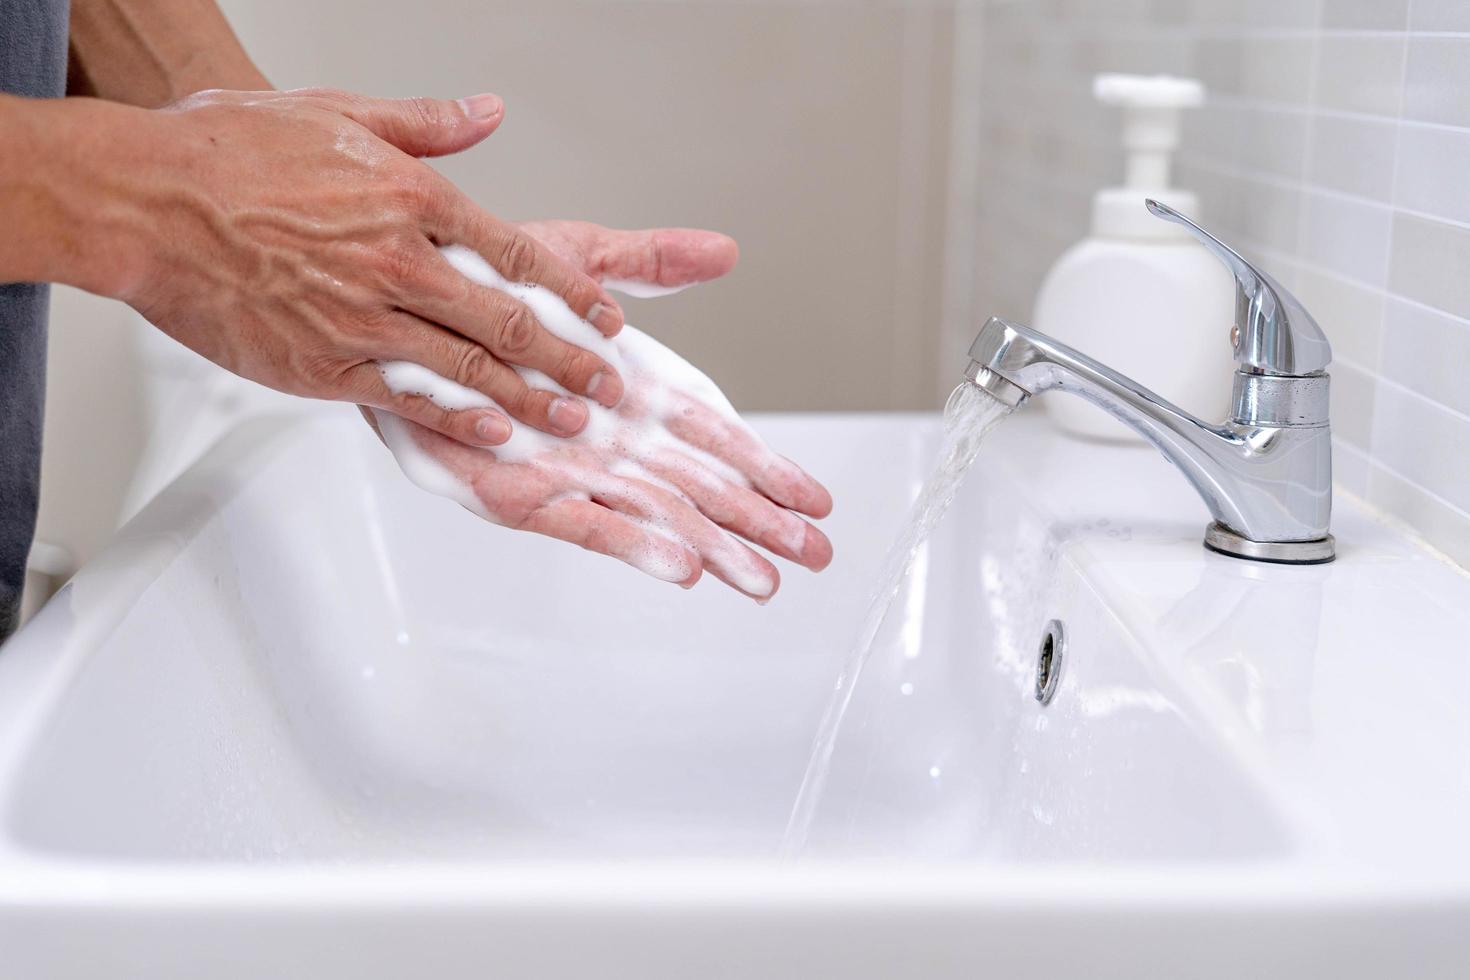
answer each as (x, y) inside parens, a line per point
(424, 127)
(594, 527)
(458, 373)
(520, 259)
(510, 330)
(664, 256)
(744, 512)
(732, 443)
(668, 257)
(478, 426)
(724, 555)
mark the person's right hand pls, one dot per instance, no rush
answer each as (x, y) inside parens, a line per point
(291, 238)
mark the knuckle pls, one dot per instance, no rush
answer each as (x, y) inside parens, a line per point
(520, 260)
(653, 259)
(575, 366)
(474, 367)
(524, 403)
(456, 425)
(327, 377)
(582, 293)
(426, 112)
(420, 409)
(353, 387)
(516, 331)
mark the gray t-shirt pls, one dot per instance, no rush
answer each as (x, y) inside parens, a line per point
(32, 62)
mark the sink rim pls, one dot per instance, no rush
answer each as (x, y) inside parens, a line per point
(158, 534)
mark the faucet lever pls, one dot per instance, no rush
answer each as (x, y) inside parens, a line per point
(1274, 334)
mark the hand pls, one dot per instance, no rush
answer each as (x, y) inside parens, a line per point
(290, 237)
(663, 482)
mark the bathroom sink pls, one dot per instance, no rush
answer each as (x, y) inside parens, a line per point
(302, 719)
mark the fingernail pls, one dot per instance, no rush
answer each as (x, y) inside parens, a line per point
(606, 389)
(567, 416)
(482, 107)
(606, 316)
(492, 430)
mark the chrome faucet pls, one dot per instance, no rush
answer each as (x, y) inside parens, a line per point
(1265, 473)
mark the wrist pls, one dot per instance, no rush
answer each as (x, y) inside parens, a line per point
(69, 175)
(232, 70)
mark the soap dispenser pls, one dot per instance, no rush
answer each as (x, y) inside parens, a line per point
(1140, 294)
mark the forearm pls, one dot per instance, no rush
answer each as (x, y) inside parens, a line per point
(63, 166)
(151, 52)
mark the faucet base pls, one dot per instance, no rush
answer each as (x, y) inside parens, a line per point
(1220, 538)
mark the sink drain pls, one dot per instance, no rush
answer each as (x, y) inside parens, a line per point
(1049, 655)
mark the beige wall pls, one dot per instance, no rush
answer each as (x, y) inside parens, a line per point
(815, 133)
(778, 123)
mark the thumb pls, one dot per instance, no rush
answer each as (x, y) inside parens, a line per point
(658, 256)
(429, 127)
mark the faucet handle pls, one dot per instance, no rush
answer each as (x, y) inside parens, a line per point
(1274, 334)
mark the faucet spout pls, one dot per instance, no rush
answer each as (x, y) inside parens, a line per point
(1265, 473)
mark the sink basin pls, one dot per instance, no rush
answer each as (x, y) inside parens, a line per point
(302, 719)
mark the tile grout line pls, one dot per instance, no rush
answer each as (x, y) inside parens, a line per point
(1393, 190)
(1300, 109)
(1308, 154)
(1202, 161)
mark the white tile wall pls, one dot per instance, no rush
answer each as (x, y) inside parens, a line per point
(1334, 148)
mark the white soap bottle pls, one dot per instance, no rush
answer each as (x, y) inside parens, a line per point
(1139, 294)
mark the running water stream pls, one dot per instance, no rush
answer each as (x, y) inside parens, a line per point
(969, 417)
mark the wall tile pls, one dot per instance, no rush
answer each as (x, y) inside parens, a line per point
(1259, 68)
(1352, 394)
(1360, 74)
(1355, 156)
(1437, 80)
(1442, 525)
(1271, 142)
(1429, 352)
(1434, 171)
(1423, 442)
(1347, 237)
(1430, 260)
(1212, 132)
(1439, 15)
(1350, 314)
(1351, 468)
(1365, 14)
(1252, 213)
(1279, 13)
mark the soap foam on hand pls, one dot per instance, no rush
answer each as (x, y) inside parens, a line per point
(639, 480)
(639, 289)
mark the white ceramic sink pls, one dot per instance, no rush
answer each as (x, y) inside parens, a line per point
(304, 720)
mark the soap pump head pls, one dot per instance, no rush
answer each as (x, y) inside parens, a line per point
(1151, 107)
